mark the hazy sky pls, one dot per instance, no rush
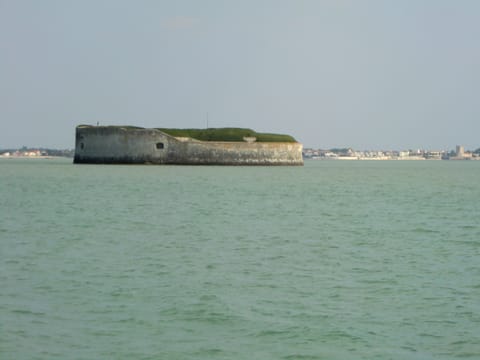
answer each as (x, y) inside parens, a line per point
(362, 73)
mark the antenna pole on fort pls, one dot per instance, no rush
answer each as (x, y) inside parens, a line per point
(207, 120)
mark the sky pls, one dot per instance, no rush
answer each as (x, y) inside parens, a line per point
(366, 74)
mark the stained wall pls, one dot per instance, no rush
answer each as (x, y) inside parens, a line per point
(128, 145)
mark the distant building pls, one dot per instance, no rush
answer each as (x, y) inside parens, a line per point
(436, 155)
(460, 151)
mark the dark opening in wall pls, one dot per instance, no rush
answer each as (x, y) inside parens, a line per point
(82, 145)
(160, 146)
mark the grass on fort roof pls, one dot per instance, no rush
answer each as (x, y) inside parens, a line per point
(215, 134)
(227, 134)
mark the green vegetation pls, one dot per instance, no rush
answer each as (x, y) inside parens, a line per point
(214, 134)
(227, 134)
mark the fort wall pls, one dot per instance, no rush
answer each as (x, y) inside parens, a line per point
(129, 145)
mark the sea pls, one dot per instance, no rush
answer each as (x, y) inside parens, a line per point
(332, 260)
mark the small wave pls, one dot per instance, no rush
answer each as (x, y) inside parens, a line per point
(302, 356)
(207, 353)
(460, 342)
(271, 332)
(409, 348)
(422, 230)
(12, 261)
(27, 312)
(430, 335)
(468, 227)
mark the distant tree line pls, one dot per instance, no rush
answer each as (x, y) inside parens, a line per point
(60, 152)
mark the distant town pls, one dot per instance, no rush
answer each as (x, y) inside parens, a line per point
(39, 153)
(308, 153)
(349, 154)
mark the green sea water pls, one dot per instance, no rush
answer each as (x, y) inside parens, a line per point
(333, 260)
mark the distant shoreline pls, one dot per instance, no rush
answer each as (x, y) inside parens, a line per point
(43, 157)
(384, 159)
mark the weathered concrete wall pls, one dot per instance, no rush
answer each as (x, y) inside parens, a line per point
(125, 145)
(111, 144)
(236, 153)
